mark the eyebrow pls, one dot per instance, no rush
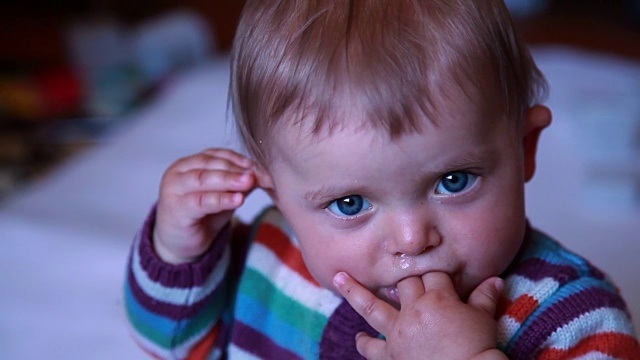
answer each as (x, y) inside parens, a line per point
(465, 161)
(324, 193)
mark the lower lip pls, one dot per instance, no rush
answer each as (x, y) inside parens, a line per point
(391, 293)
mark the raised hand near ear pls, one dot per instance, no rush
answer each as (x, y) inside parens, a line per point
(433, 323)
(198, 195)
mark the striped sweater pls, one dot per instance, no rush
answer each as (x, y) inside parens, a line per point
(254, 298)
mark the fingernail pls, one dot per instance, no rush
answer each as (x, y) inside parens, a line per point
(499, 284)
(340, 279)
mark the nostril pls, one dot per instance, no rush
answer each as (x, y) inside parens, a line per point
(413, 253)
(434, 238)
(412, 239)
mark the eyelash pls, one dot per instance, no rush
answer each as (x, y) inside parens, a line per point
(367, 207)
(470, 181)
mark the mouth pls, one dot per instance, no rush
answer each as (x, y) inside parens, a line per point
(391, 295)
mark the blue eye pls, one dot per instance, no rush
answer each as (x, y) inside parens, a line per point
(455, 182)
(350, 205)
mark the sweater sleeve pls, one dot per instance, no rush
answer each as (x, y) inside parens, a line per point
(178, 311)
(562, 307)
(587, 319)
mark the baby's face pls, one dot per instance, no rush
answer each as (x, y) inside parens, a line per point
(447, 199)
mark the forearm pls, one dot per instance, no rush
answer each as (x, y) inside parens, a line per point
(172, 308)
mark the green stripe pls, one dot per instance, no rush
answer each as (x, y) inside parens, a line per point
(260, 288)
(144, 329)
(185, 329)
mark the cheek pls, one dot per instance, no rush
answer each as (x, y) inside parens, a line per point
(499, 231)
(319, 258)
(319, 250)
(491, 232)
(327, 254)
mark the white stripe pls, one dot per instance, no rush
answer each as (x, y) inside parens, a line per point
(183, 350)
(215, 354)
(507, 328)
(596, 355)
(596, 321)
(292, 284)
(179, 352)
(151, 346)
(237, 353)
(179, 296)
(517, 286)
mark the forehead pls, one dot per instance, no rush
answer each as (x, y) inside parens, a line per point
(455, 108)
(461, 126)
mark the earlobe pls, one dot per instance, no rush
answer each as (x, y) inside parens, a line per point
(537, 119)
(264, 179)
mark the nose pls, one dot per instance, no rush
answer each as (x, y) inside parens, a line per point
(412, 235)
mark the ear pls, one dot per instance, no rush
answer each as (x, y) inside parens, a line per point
(265, 181)
(537, 118)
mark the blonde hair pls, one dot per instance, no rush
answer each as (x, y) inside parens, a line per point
(395, 60)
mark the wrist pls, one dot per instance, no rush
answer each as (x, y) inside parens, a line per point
(167, 255)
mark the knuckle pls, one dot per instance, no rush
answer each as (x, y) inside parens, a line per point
(206, 201)
(369, 306)
(200, 201)
(213, 161)
(229, 177)
(201, 178)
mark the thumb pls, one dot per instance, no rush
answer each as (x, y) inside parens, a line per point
(369, 347)
(487, 294)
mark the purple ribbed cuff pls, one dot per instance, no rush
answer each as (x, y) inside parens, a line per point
(185, 275)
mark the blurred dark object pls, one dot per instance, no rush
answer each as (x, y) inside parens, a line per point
(611, 26)
(634, 8)
(521, 9)
(70, 70)
(44, 94)
(33, 31)
(29, 101)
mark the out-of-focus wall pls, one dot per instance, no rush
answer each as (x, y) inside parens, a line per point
(611, 26)
(33, 31)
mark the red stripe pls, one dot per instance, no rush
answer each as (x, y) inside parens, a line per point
(616, 345)
(204, 347)
(522, 307)
(278, 242)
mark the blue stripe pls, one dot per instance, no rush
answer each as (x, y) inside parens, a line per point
(159, 329)
(256, 315)
(572, 289)
(553, 252)
(553, 300)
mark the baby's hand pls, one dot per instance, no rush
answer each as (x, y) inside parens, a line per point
(198, 194)
(433, 323)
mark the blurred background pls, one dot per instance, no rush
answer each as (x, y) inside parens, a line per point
(98, 97)
(69, 69)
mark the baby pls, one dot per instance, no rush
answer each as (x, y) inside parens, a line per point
(395, 138)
